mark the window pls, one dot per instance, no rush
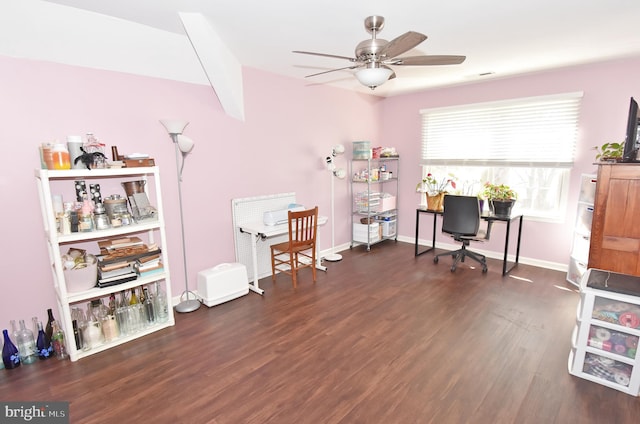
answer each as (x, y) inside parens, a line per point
(527, 143)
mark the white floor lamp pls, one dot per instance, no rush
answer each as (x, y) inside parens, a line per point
(338, 173)
(183, 146)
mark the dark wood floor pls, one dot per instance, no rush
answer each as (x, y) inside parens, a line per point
(382, 337)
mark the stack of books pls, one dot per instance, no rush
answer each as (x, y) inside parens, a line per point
(119, 258)
(114, 273)
(148, 265)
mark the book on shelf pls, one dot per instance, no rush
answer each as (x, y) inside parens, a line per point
(140, 268)
(151, 272)
(119, 279)
(115, 265)
(149, 259)
(114, 272)
(115, 257)
(147, 266)
(121, 243)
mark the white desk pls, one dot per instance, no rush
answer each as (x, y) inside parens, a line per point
(258, 231)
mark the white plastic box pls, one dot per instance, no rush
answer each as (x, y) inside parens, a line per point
(360, 232)
(223, 283)
(388, 228)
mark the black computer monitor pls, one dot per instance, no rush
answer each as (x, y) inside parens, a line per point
(631, 142)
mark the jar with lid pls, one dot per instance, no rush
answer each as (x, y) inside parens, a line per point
(101, 218)
(60, 156)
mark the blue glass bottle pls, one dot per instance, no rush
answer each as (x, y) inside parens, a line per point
(43, 344)
(10, 355)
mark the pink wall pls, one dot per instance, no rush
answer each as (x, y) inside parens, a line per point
(289, 128)
(607, 88)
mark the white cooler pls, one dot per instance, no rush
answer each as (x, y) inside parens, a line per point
(222, 283)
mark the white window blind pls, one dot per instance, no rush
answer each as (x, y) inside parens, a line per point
(532, 132)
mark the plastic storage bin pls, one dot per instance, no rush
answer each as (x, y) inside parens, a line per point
(388, 228)
(360, 232)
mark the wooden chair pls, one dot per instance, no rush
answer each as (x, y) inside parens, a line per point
(300, 251)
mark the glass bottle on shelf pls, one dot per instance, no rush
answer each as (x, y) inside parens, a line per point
(134, 299)
(59, 342)
(10, 354)
(137, 311)
(148, 307)
(43, 344)
(92, 335)
(77, 315)
(161, 306)
(122, 314)
(26, 344)
(77, 334)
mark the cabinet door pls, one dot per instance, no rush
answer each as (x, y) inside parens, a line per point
(615, 238)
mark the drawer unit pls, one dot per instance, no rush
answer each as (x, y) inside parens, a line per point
(605, 339)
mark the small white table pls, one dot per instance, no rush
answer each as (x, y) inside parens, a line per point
(259, 231)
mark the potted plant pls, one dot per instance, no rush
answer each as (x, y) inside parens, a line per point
(501, 198)
(435, 189)
(609, 152)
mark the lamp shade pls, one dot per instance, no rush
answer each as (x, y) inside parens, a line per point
(185, 144)
(373, 77)
(174, 126)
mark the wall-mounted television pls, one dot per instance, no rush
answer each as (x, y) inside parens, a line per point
(631, 142)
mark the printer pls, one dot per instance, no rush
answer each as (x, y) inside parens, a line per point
(280, 216)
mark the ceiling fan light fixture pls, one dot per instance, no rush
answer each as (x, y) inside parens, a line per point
(373, 77)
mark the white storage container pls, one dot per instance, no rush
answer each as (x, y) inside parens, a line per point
(388, 228)
(222, 283)
(360, 232)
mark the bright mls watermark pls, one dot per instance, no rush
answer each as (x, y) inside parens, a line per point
(34, 412)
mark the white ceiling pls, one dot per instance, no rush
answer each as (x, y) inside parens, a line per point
(503, 38)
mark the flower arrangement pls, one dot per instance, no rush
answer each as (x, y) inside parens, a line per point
(498, 192)
(432, 185)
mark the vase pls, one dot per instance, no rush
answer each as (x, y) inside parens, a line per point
(435, 202)
(501, 207)
(10, 354)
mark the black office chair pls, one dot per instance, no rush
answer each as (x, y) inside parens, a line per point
(461, 219)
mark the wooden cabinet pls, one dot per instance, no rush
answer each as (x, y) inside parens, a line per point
(615, 231)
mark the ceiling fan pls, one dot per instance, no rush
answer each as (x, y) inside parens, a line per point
(374, 56)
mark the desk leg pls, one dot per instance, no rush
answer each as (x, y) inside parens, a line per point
(417, 231)
(433, 239)
(255, 286)
(506, 247)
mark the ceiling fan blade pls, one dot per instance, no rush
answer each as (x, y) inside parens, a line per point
(333, 70)
(427, 60)
(351, 59)
(401, 44)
